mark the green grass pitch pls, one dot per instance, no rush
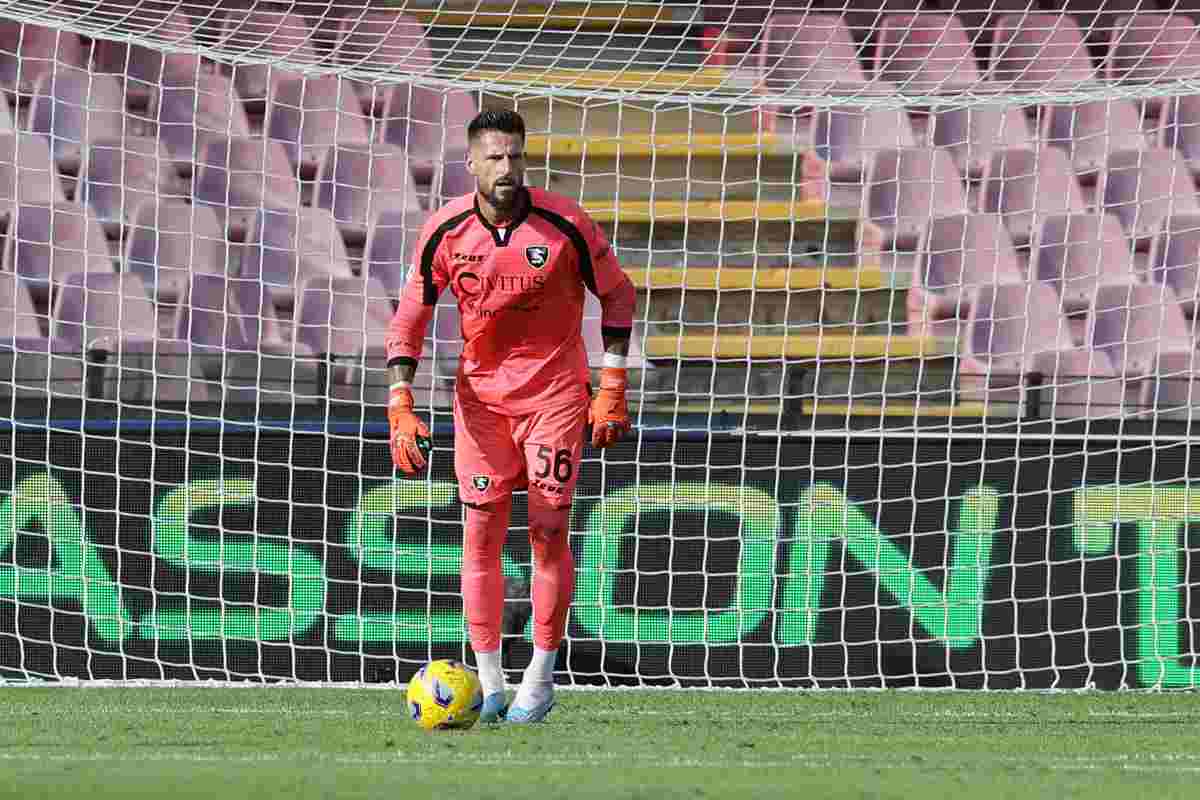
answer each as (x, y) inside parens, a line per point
(227, 743)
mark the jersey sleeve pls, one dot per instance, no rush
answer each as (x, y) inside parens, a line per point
(427, 278)
(611, 284)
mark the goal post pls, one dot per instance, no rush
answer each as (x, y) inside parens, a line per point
(912, 367)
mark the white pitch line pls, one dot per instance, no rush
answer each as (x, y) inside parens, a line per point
(508, 758)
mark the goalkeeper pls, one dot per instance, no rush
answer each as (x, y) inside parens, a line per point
(518, 261)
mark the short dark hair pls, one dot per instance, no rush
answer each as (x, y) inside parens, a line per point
(504, 121)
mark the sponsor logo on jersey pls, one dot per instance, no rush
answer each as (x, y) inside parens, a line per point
(538, 255)
(472, 258)
(481, 482)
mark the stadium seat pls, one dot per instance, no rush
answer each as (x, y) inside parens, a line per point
(188, 114)
(169, 240)
(1015, 333)
(1142, 329)
(288, 246)
(31, 51)
(450, 179)
(111, 314)
(1024, 185)
(345, 321)
(46, 243)
(356, 181)
(27, 173)
(810, 54)
(1032, 52)
(1150, 47)
(1090, 131)
(146, 69)
(1179, 128)
(74, 106)
(265, 34)
(1074, 253)
(307, 115)
(209, 331)
(431, 126)
(29, 365)
(924, 52)
(972, 134)
(381, 41)
(277, 368)
(1144, 187)
(390, 247)
(849, 138)
(237, 176)
(907, 186)
(958, 254)
(734, 31)
(121, 174)
(1175, 259)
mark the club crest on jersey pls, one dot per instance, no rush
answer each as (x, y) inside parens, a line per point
(538, 255)
(481, 482)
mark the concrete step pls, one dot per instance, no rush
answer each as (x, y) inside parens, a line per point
(866, 300)
(729, 343)
(714, 165)
(574, 113)
(653, 233)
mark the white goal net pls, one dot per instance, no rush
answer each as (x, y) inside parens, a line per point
(913, 361)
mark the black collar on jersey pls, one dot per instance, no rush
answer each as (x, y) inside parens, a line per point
(524, 203)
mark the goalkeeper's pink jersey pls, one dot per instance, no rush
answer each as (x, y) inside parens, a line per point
(520, 294)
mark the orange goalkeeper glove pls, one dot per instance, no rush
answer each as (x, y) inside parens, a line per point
(411, 441)
(608, 415)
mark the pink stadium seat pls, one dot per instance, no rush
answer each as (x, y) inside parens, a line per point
(1142, 329)
(810, 54)
(1015, 337)
(959, 253)
(849, 138)
(121, 174)
(28, 52)
(74, 106)
(734, 30)
(1074, 253)
(356, 181)
(46, 243)
(385, 42)
(265, 34)
(925, 52)
(147, 69)
(111, 313)
(27, 174)
(187, 115)
(1153, 47)
(1175, 259)
(1091, 130)
(169, 240)
(1179, 128)
(1144, 187)
(391, 242)
(430, 124)
(906, 187)
(450, 179)
(288, 247)
(238, 176)
(1036, 51)
(347, 319)
(308, 115)
(1024, 185)
(28, 364)
(972, 134)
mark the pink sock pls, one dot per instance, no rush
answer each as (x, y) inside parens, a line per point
(553, 574)
(482, 578)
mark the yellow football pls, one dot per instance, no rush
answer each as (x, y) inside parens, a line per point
(445, 695)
